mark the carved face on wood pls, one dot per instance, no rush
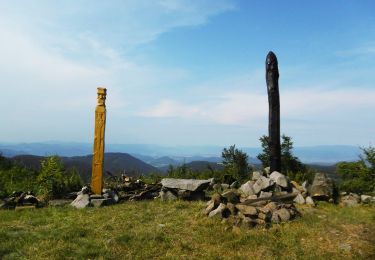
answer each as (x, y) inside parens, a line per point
(102, 92)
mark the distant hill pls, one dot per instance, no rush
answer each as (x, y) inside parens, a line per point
(204, 165)
(157, 154)
(115, 163)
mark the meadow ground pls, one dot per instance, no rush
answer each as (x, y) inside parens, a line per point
(179, 230)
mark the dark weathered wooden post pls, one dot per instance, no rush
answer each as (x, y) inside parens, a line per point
(272, 79)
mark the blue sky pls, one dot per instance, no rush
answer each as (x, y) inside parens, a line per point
(187, 72)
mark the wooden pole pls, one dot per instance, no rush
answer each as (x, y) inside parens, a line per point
(272, 79)
(98, 150)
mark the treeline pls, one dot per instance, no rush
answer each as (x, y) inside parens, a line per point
(51, 181)
(358, 176)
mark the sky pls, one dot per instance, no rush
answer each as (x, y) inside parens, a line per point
(182, 72)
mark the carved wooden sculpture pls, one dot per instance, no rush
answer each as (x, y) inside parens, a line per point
(98, 156)
(272, 79)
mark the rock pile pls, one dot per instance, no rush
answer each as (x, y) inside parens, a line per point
(253, 212)
(187, 189)
(128, 188)
(260, 201)
(20, 200)
(353, 199)
(275, 185)
(86, 199)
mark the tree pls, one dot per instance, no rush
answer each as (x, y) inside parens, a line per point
(359, 176)
(290, 164)
(235, 163)
(50, 178)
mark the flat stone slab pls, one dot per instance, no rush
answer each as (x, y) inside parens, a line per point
(97, 203)
(25, 207)
(185, 184)
(59, 203)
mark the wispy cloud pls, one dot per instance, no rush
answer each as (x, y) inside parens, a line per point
(246, 108)
(363, 50)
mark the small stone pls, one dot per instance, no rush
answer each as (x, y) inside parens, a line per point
(225, 186)
(260, 221)
(217, 186)
(252, 197)
(267, 170)
(294, 190)
(299, 199)
(218, 211)
(265, 216)
(262, 183)
(85, 190)
(297, 186)
(247, 188)
(232, 208)
(210, 207)
(235, 185)
(310, 201)
(25, 207)
(247, 210)
(167, 195)
(283, 214)
(351, 200)
(305, 186)
(59, 203)
(82, 201)
(270, 206)
(279, 179)
(232, 196)
(249, 222)
(256, 175)
(97, 203)
(30, 199)
(275, 218)
(216, 198)
(264, 194)
(366, 198)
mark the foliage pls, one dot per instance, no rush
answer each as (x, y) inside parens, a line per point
(290, 164)
(15, 178)
(50, 178)
(235, 163)
(359, 176)
(53, 180)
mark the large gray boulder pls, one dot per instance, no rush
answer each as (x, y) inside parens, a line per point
(279, 179)
(263, 183)
(322, 187)
(167, 195)
(185, 184)
(247, 188)
(82, 201)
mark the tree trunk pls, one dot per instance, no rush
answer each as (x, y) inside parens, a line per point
(272, 79)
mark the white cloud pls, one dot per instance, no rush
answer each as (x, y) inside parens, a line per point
(246, 108)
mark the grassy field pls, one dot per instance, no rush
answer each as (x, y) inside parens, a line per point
(178, 230)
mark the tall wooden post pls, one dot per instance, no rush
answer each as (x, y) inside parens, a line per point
(98, 153)
(272, 79)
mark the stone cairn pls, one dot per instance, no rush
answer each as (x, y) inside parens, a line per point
(260, 201)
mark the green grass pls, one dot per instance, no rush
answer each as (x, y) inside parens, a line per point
(178, 230)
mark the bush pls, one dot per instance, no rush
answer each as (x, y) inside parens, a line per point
(359, 176)
(53, 180)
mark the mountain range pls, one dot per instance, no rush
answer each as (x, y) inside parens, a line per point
(159, 156)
